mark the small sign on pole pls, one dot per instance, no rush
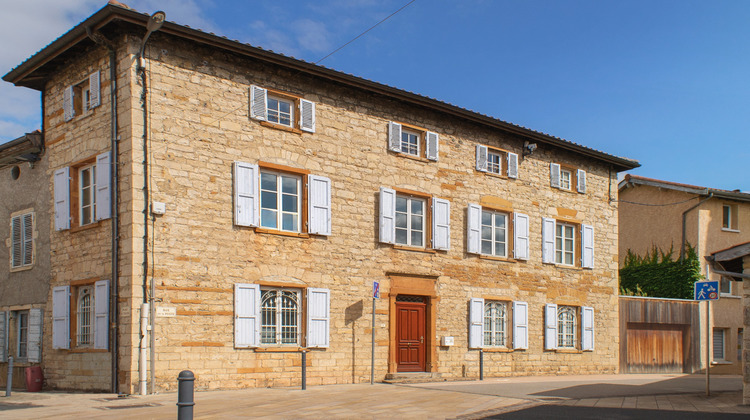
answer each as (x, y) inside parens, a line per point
(706, 290)
(375, 290)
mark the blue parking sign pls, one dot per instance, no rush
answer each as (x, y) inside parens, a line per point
(706, 290)
(376, 290)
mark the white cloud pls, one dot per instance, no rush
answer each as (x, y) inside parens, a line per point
(313, 36)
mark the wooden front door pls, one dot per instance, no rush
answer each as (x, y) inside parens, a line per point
(410, 335)
(654, 348)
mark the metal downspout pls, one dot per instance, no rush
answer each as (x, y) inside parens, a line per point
(115, 195)
(684, 223)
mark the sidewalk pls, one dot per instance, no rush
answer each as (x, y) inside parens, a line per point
(470, 399)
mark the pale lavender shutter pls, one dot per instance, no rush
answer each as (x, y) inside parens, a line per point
(441, 224)
(3, 336)
(101, 314)
(319, 203)
(550, 326)
(520, 236)
(474, 229)
(62, 198)
(28, 238)
(481, 158)
(512, 165)
(387, 215)
(34, 344)
(246, 315)
(581, 181)
(16, 248)
(307, 115)
(394, 136)
(94, 90)
(476, 323)
(103, 186)
(246, 197)
(587, 328)
(318, 317)
(587, 246)
(548, 240)
(68, 110)
(520, 325)
(61, 317)
(433, 144)
(554, 175)
(258, 103)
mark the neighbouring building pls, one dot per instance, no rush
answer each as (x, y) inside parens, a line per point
(250, 219)
(24, 253)
(670, 215)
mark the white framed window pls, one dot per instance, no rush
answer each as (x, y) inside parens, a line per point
(565, 239)
(566, 327)
(22, 322)
(280, 316)
(87, 194)
(410, 221)
(22, 240)
(725, 286)
(280, 111)
(495, 323)
(494, 233)
(718, 345)
(280, 201)
(496, 161)
(566, 178)
(412, 141)
(84, 316)
(729, 219)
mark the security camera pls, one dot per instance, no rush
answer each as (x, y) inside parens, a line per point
(528, 148)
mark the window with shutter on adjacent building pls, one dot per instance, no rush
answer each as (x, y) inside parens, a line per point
(282, 110)
(412, 141)
(22, 240)
(414, 220)
(21, 335)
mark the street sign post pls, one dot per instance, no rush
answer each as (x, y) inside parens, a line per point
(375, 295)
(707, 291)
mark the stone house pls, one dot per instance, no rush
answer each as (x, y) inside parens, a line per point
(668, 214)
(24, 253)
(239, 216)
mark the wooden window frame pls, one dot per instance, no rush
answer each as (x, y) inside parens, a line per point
(303, 198)
(507, 324)
(300, 312)
(75, 289)
(576, 327)
(509, 233)
(503, 168)
(296, 118)
(573, 178)
(577, 243)
(427, 223)
(75, 195)
(18, 340)
(421, 142)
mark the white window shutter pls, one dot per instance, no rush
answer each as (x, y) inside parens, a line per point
(101, 314)
(307, 115)
(246, 315)
(103, 186)
(34, 345)
(28, 238)
(94, 90)
(387, 215)
(550, 326)
(520, 236)
(68, 110)
(4, 336)
(474, 229)
(16, 242)
(318, 317)
(548, 240)
(319, 203)
(258, 103)
(520, 325)
(476, 323)
(512, 165)
(61, 317)
(481, 158)
(587, 246)
(62, 198)
(394, 136)
(246, 197)
(433, 144)
(441, 224)
(554, 175)
(587, 328)
(581, 181)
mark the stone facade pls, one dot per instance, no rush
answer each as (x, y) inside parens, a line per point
(199, 126)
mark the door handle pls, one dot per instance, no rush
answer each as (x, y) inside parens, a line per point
(421, 339)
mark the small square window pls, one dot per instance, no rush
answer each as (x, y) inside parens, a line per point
(495, 161)
(566, 177)
(280, 110)
(410, 141)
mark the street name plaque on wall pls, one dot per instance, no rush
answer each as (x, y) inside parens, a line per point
(166, 311)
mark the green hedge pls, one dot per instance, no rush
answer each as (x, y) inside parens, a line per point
(657, 275)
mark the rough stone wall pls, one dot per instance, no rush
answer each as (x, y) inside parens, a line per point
(200, 126)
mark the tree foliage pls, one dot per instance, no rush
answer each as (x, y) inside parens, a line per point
(657, 274)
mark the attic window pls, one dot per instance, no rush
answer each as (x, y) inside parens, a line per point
(81, 98)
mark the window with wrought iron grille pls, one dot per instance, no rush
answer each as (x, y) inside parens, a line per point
(22, 321)
(22, 240)
(84, 316)
(495, 321)
(280, 314)
(566, 327)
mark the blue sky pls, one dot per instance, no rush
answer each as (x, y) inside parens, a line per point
(665, 82)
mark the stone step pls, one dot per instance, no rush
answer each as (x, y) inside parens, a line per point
(412, 377)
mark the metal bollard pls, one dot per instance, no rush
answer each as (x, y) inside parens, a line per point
(9, 384)
(304, 370)
(185, 403)
(481, 365)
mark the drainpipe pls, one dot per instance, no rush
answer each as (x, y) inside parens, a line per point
(684, 222)
(154, 23)
(114, 191)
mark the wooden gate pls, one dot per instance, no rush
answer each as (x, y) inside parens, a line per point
(654, 348)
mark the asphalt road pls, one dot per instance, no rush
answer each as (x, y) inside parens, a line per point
(596, 413)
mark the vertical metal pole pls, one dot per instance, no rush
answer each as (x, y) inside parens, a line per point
(708, 346)
(185, 403)
(9, 384)
(372, 359)
(481, 364)
(304, 370)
